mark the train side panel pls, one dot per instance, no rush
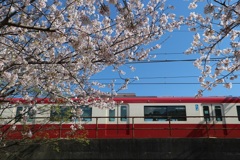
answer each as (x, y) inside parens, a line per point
(154, 119)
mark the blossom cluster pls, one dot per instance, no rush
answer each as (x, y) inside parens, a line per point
(220, 27)
(52, 48)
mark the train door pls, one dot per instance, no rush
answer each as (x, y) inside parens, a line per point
(213, 118)
(213, 113)
(118, 121)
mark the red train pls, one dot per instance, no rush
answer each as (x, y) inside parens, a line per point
(132, 117)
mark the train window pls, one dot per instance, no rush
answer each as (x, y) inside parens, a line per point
(206, 113)
(30, 114)
(60, 113)
(161, 113)
(155, 113)
(87, 113)
(111, 115)
(63, 113)
(177, 113)
(18, 114)
(218, 113)
(238, 112)
(123, 113)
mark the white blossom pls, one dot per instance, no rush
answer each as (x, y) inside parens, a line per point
(73, 128)
(113, 1)
(13, 128)
(200, 79)
(136, 78)
(237, 8)
(42, 4)
(228, 85)
(158, 46)
(29, 134)
(192, 5)
(209, 8)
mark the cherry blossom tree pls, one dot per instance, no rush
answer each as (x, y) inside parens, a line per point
(218, 45)
(52, 48)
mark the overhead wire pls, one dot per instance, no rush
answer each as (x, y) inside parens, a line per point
(168, 83)
(164, 77)
(171, 60)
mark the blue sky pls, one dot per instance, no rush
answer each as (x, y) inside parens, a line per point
(179, 78)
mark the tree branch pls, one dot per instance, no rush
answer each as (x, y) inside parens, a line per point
(31, 27)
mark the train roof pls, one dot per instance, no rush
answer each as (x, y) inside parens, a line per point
(142, 99)
(179, 99)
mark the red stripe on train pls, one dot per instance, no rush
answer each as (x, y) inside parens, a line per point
(129, 131)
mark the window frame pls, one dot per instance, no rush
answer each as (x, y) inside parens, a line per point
(149, 111)
(123, 113)
(69, 116)
(207, 117)
(238, 112)
(218, 113)
(30, 118)
(112, 115)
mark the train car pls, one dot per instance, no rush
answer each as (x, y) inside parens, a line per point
(132, 117)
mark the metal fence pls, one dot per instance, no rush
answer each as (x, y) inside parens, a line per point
(229, 125)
